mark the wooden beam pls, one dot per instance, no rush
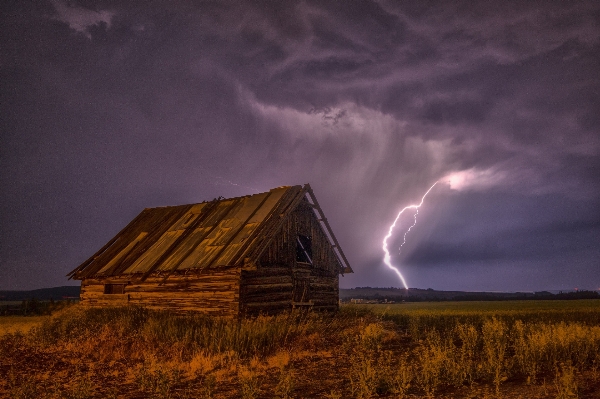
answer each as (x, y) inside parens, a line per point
(309, 303)
(323, 219)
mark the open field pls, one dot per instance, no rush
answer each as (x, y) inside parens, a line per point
(13, 324)
(489, 307)
(33, 307)
(438, 350)
(443, 316)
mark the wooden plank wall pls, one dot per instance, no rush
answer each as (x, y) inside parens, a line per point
(215, 292)
(324, 272)
(270, 288)
(324, 291)
(282, 250)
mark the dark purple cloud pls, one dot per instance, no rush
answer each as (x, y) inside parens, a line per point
(110, 107)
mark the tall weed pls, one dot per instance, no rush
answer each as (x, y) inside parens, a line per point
(402, 378)
(466, 360)
(371, 367)
(565, 382)
(494, 350)
(434, 359)
(363, 375)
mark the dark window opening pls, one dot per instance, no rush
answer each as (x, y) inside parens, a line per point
(114, 288)
(303, 249)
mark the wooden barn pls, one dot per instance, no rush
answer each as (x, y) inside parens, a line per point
(262, 253)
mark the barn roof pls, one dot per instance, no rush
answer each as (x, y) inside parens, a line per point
(230, 232)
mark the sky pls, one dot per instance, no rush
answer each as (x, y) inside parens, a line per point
(109, 107)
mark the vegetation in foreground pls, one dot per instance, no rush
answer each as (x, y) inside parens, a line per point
(33, 307)
(19, 324)
(449, 350)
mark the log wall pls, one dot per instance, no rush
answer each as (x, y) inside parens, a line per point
(266, 290)
(215, 292)
(280, 282)
(270, 290)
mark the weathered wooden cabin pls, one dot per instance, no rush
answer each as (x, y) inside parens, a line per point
(262, 253)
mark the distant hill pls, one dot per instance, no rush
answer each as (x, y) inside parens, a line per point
(369, 293)
(417, 295)
(42, 294)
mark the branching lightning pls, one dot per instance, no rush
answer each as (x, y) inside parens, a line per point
(408, 231)
(387, 258)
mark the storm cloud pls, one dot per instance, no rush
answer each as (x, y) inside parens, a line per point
(109, 107)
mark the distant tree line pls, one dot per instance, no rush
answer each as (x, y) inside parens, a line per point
(542, 295)
(34, 307)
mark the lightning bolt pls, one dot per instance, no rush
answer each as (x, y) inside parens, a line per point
(408, 231)
(387, 258)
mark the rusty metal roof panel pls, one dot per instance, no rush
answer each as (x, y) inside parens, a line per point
(223, 243)
(185, 249)
(126, 246)
(148, 258)
(184, 237)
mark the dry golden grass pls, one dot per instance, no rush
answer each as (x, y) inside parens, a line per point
(357, 353)
(21, 324)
